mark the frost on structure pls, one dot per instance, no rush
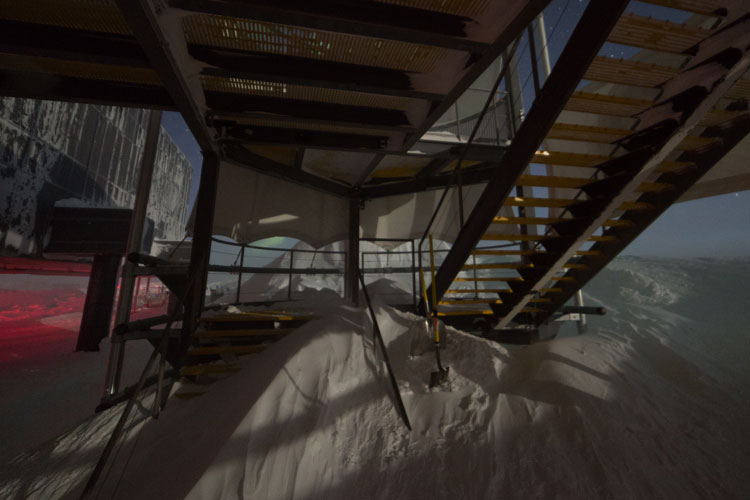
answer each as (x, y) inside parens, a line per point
(51, 151)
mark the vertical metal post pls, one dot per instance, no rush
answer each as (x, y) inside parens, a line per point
(135, 238)
(476, 281)
(352, 271)
(239, 275)
(100, 300)
(432, 279)
(200, 252)
(459, 181)
(413, 277)
(291, 268)
(458, 122)
(532, 53)
(541, 35)
(494, 118)
(581, 317)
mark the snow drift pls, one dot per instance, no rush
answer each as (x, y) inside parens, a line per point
(636, 409)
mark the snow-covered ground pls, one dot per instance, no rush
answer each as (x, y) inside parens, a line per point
(651, 403)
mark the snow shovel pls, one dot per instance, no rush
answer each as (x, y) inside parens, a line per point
(439, 377)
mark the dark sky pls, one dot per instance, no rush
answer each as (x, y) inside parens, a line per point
(716, 226)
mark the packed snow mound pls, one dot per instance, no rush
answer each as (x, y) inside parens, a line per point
(609, 415)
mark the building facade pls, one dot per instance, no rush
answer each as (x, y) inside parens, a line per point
(84, 155)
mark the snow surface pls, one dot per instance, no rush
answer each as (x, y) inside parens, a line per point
(649, 404)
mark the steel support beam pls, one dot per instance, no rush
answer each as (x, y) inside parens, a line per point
(258, 66)
(135, 242)
(352, 255)
(477, 174)
(163, 41)
(40, 40)
(589, 35)
(100, 297)
(200, 250)
(305, 138)
(529, 12)
(241, 156)
(326, 118)
(372, 19)
(321, 112)
(34, 85)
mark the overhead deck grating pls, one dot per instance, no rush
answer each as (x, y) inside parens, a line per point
(304, 93)
(455, 7)
(80, 69)
(654, 34)
(285, 40)
(90, 15)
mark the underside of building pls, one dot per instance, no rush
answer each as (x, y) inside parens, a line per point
(394, 121)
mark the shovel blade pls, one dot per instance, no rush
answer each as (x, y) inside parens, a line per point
(438, 378)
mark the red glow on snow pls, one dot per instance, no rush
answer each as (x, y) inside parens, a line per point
(36, 324)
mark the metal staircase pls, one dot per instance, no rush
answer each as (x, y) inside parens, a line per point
(222, 338)
(699, 114)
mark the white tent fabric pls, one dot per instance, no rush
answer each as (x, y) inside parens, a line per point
(252, 206)
(406, 216)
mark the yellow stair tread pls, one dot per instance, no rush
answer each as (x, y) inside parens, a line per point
(606, 135)
(705, 7)
(603, 104)
(243, 332)
(531, 310)
(189, 394)
(591, 253)
(482, 290)
(655, 34)
(469, 301)
(257, 316)
(492, 278)
(501, 265)
(628, 72)
(225, 349)
(481, 251)
(545, 221)
(514, 237)
(483, 312)
(516, 201)
(208, 368)
(603, 239)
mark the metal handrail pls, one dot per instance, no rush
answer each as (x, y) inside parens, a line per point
(457, 169)
(257, 247)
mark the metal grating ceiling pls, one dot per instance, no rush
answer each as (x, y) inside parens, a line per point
(470, 8)
(90, 15)
(282, 39)
(303, 93)
(80, 69)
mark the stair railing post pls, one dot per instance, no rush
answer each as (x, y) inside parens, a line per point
(239, 274)
(413, 277)
(291, 269)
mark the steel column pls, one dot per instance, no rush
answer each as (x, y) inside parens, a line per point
(352, 256)
(200, 252)
(100, 297)
(135, 238)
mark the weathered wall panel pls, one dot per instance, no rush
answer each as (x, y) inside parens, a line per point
(52, 151)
